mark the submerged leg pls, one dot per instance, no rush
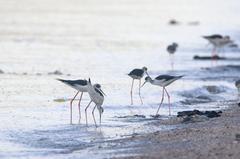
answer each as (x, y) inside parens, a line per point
(79, 110)
(71, 106)
(86, 111)
(161, 101)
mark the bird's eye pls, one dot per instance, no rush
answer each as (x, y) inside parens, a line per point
(98, 85)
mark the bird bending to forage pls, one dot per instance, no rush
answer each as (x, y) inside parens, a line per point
(162, 81)
(97, 96)
(80, 86)
(137, 74)
(218, 41)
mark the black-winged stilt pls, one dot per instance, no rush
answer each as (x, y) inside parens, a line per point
(162, 81)
(137, 74)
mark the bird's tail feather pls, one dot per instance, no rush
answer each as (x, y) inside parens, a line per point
(205, 37)
(62, 80)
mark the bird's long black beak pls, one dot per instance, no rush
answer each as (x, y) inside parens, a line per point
(143, 84)
(147, 73)
(101, 91)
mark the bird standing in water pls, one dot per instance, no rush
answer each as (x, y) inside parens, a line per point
(162, 81)
(218, 42)
(97, 96)
(137, 74)
(171, 49)
(80, 86)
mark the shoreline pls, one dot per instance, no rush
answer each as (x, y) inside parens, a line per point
(214, 138)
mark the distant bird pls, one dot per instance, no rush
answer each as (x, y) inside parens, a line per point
(80, 86)
(172, 48)
(137, 74)
(162, 81)
(218, 41)
(237, 84)
(97, 96)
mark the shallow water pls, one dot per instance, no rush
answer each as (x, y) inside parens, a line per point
(104, 40)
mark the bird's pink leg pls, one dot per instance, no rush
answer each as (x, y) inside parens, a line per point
(169, 104)
(139, 93)
(94, 115)
(79, 110)
(214, 58)
(214, 52)
(71, 107)
(172, 61)
(86, 111)
(131, 92)
(161, 101)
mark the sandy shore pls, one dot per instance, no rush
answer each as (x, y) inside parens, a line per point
(215, 138)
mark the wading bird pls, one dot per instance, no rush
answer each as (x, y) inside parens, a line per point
(218, 42)
(171, 49)
(97, 96)
(162, 81)
(80, 86)
(137, 74)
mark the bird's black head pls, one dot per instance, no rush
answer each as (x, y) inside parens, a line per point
(144, 69)
(148, 79)
(97, 85)
(175, 44)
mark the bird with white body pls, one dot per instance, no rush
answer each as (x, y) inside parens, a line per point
(137, 74)
(218, 42)
(162, 81)
(97, 96)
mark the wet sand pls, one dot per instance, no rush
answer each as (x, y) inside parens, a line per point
(213, 138)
